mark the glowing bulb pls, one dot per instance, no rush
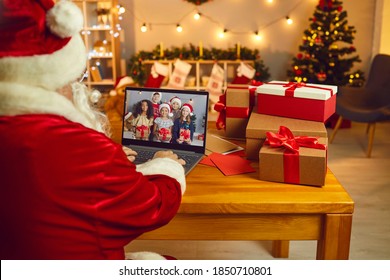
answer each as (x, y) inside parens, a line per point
(257, 36)
(121, 10)
(179, 28)
(197, 16)
(270, 1)
(289, 20)
(222, 34)
(144, 28)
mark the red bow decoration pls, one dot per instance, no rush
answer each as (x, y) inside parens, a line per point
(142, 129)
(220, 107)
(285, 138)
(185, 133)
(164, 133)
(291, 87)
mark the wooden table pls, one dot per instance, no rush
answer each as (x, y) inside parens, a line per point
(241, 207)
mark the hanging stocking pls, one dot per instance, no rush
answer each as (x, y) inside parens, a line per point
(179, 75)
(214, 86)
(157, 75)
(245, 73)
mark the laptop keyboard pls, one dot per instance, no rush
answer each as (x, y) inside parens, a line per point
(145, 155)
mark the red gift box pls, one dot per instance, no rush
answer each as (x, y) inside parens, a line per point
(312, 102)
(293, 159)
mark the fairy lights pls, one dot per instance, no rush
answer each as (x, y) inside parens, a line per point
(197, 15)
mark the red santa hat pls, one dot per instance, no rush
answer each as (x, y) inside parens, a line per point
(189, 107)
(165, 105)
(175, 99)
(40, 43)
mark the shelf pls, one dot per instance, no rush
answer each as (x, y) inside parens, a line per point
(100, 17)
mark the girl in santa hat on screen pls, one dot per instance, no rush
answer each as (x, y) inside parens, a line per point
(176, 106)
(67, 190)
(183, 127)
(163, 124)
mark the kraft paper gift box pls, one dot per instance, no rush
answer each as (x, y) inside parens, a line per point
(306, 166)
(314, 102)
(234, 107)
(259, 124)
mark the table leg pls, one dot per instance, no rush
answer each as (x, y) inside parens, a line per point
(336, 236)
(280, 248)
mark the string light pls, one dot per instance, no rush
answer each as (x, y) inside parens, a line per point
(222, 34)
(144, 28)
(257, 36)
(197, 15)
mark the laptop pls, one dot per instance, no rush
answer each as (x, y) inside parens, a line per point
(188, 141)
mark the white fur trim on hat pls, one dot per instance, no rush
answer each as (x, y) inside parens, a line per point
(164, 105)
(175, 99)
(50, 71)
(64, 19)
(165, 166)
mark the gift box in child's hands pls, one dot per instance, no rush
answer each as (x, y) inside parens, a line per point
(313, 102)
(293, 159)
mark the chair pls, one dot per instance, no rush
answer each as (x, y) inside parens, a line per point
(369, 104)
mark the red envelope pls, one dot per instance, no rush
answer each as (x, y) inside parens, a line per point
(231, 164)
(207, 161)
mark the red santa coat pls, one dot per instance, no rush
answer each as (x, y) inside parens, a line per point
(69, 192)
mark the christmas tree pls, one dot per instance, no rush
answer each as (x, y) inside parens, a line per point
(327, 53)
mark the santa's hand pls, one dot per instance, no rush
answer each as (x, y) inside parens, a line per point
(129, 153)
(169, 154)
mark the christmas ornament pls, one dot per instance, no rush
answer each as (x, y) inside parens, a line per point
(321, 76)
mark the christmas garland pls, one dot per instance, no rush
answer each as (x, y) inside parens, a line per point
(197, 2)
(138, 73)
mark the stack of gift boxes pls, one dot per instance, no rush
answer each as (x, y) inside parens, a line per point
(283, 126)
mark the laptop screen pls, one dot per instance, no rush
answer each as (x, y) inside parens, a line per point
(165, 118)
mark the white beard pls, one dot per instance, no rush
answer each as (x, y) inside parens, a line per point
(82, 100)
(18, 99)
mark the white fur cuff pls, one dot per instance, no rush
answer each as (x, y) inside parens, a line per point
(165, 166)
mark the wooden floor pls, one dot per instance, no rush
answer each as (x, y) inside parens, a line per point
(366, 179)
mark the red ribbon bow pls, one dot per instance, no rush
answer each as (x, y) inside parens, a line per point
(220, 107)
(185, 133)
(142, 129)
(291, 86)
(164, 132)
(285, 138)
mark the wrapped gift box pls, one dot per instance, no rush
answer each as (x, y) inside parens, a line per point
(307, 168)
(259, 124)
(236, 104)
(312, 102)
